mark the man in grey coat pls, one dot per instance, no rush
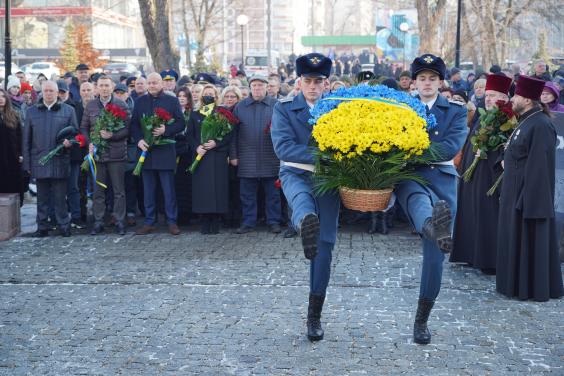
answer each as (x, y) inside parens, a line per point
(254, 153)
(42, 125)
(111, 161)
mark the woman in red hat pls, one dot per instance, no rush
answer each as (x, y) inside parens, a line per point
(528, 266)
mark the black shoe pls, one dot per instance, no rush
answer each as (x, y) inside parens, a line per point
(437, 227)
(309, 232)
(120, 228)
(41, 234)
(378, 223)
(244, 229)
(65, 232)
(421, 333)
(97, 229)
(275, 228)
(488, 271)
(214, 226)
(206, 227)
(314, 329)
(290, 232)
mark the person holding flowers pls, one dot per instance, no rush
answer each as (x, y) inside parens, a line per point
(44, 121)
(105, 123)
(183, 181)
(314, 216)
(475, 225)
(210, 134)
(527, 265)
(430, 207)
(158, 150)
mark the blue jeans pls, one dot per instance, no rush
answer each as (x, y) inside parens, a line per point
(73, 191)
(166, 178)
(248, 194)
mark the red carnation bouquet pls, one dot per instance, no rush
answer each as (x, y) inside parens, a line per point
(111, 119)
(215, 127)
(77, 140)
(495, 129)
(148, 125)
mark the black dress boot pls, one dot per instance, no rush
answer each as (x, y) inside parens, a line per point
(206, 225)
(421, 333)
(309, 232)
(314, 329)
(437, 227)
(378, 223)
(214, 224)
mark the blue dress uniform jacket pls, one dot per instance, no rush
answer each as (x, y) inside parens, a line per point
(417, 201)
(159, 157)
(291, 133)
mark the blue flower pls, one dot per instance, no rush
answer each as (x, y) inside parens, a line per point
(364, 91)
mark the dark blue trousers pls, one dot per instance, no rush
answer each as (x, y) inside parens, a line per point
(417, 202)
(248, 194)
(166, 178)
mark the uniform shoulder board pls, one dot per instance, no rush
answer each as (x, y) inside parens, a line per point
(286, 99)
(456, 102)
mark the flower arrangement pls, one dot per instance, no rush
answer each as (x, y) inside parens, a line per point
(111, 119)
(77, 140)
(214, 127)
(148, 125)
(495, 128)
(369, 138)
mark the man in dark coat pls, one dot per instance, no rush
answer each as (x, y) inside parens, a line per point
(527, 260)
(160, 162)
(252, 148)
(42, 125)
(475, 227)
(110, 165)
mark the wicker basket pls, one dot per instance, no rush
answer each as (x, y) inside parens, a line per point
(365, 200)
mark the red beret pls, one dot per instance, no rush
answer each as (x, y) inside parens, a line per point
(529, 87)
(499, 83)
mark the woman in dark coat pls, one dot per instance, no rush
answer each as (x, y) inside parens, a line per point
(229, 98)
(210, 181)
(183, 179)
(10, 148)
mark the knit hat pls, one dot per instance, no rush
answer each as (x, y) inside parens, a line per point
(405, 73)
(25, 87)
(13, 81)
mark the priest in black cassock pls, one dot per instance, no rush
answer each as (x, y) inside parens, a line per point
(475, 226)
(527, 256)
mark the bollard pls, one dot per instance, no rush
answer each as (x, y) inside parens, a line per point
(10, 221)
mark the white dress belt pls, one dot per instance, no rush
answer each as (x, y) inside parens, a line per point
(301, 166)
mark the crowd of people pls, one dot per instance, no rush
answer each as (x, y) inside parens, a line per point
(240, 183)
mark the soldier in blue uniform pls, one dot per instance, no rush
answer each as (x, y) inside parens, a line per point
(314, 216)
(169, 77)
(431, 208)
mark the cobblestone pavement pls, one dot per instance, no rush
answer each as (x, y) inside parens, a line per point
(235, 305)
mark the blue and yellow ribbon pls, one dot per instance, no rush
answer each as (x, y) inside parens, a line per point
(90, 157)
(374, 99)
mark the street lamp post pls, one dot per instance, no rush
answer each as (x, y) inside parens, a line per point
(7, 46)
(242, 20)
(458, 21)
(404, 27)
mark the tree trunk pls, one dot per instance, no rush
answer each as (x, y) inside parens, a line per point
(155, 21)
(429, 20)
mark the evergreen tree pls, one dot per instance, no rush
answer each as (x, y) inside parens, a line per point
(69, 52)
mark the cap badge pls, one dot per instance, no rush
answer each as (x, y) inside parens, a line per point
(428, 59)
(315, 60)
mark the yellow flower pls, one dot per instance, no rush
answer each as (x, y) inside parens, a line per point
(356, 127)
